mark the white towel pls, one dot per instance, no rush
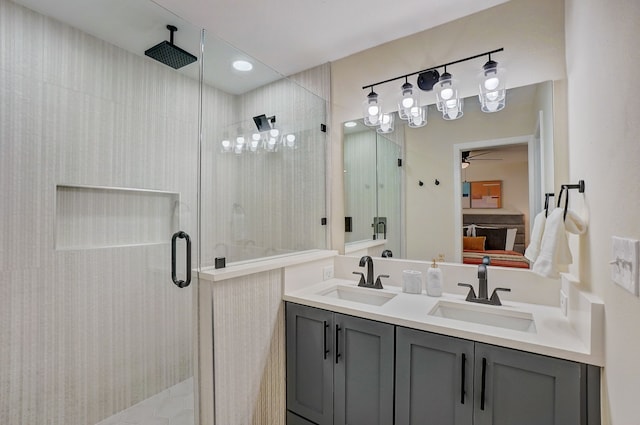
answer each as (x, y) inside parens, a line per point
(574, 223)
(532, 251)
(554, 248)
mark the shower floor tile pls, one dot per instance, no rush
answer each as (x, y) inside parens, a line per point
(173, 406)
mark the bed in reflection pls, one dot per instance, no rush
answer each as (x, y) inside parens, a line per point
(499, 236)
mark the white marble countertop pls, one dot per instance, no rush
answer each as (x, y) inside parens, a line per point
(555, 334)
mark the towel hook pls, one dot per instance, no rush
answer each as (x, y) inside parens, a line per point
(567, 187)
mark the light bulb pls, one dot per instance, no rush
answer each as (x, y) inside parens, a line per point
(373, 110)
(272, 141)
(226, 144)
(254, 144)
(373, 119)
(492, 106)
(491, 83)
(407, 102)
(240, 140)
(452, 113)
(291, 138)
(452, 103)
(255, 136)
(417, 120)
(238, 149)
(274, 132)
(492, 96)
(415, 111)
(446, 94)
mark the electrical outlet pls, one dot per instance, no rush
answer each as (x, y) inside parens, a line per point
(624, 263)
(327, 272)
(564, 303)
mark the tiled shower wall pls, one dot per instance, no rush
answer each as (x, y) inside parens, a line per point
(90, 330)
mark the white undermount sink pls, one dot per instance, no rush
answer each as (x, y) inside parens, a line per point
(358, 294)
(485, 315)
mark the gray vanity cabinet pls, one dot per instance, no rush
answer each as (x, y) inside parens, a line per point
(445, 380)
(514, 387)
(434, 379)
(339, 368)
(310, 363)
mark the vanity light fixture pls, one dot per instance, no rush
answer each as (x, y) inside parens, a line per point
(448, 100)
(492, 87)
(492, 95)
(372, 109)
(386, 123)
(418, 116)
(409, 99)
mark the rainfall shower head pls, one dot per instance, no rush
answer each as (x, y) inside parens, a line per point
(170, 54)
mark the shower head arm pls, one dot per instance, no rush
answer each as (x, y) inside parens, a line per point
(173, 29)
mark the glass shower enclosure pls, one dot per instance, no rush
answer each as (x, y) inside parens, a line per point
(110, 161)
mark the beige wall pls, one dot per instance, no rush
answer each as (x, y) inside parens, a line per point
(602, 40)
(531, 32)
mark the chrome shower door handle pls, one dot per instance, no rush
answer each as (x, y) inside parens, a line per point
(187, 281)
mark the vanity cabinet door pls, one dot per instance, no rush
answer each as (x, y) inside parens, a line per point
(514, 387)
(364, 369)
(434, 379)
(310, 363)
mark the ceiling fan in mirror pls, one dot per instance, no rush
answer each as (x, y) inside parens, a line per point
(468, 156)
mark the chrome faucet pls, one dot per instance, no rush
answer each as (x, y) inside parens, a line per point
(482, 287)
(368, 282)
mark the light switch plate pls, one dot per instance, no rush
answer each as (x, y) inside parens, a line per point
(624, 263)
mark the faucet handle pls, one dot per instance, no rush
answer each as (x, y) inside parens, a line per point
(472, 293)
(378, 284)
(495, 300)
(361, 283)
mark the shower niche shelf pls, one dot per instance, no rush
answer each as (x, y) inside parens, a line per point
(89, 217)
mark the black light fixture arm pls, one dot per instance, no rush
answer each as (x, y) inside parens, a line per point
(432, 68)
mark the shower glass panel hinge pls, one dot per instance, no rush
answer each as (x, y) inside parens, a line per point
(399, 162)
(323, 221)
(323, 128)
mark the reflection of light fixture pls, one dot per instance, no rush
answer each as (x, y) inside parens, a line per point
(492, 87)
(465, 164)
(350, 124)
(408, 100)
(289, 140)
(242, 65)
(386, 124)
(226, 145)
(372, 109)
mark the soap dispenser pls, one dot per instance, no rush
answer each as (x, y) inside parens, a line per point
(434, 280)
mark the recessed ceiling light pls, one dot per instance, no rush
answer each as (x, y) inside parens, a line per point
(242, 65)
(350, 124)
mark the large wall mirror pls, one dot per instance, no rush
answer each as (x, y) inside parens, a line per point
(514, 147)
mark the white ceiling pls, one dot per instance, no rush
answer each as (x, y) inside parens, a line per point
(294, 35)
(280, 37)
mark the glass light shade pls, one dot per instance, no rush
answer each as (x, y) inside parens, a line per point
(386, 124)
(452, 109)
(418, 116)
(274, 132)
(409, 99)
(372, 110)
(446, 91)
(493, 91)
